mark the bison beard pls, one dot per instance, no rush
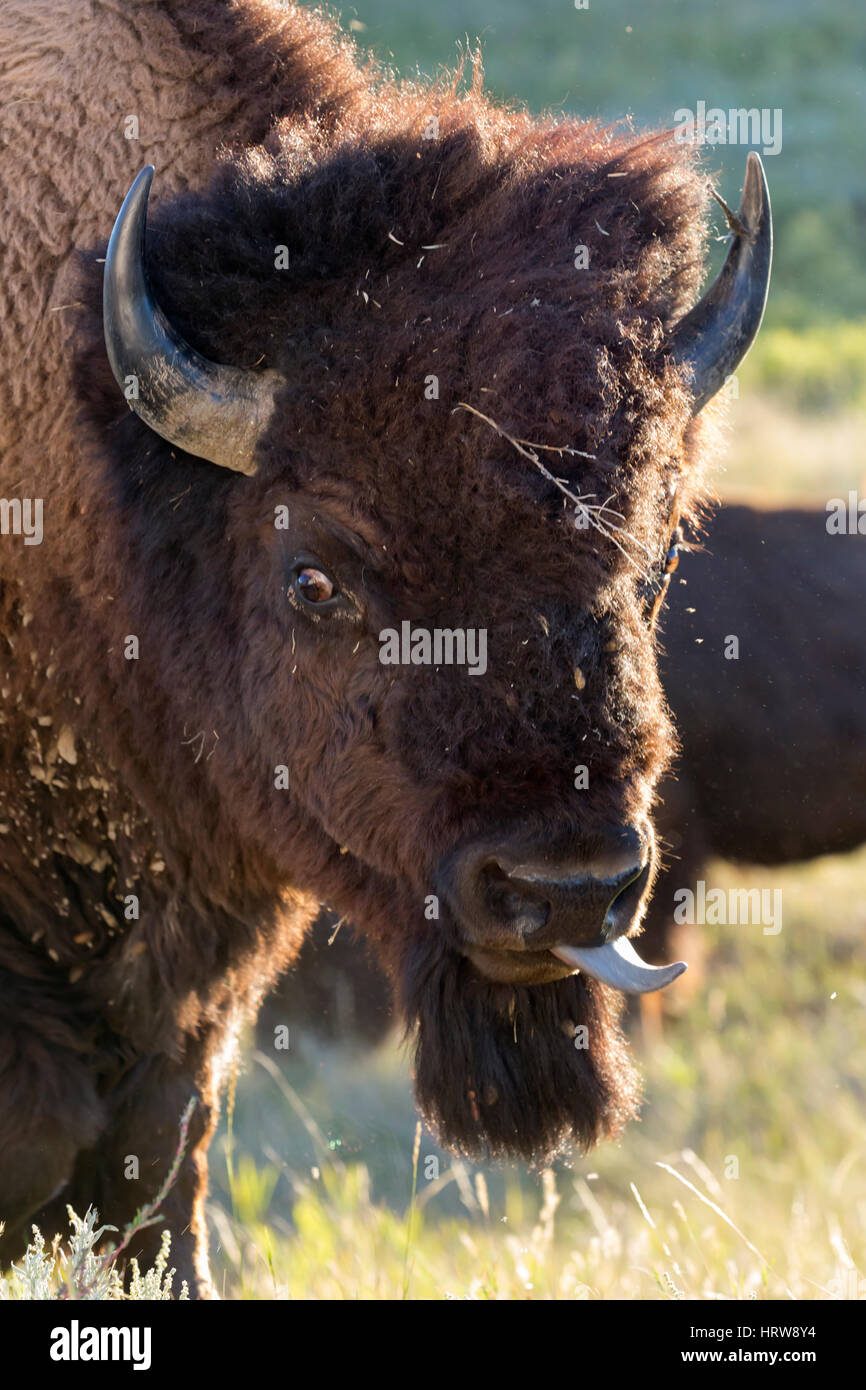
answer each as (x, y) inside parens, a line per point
(497, 1072)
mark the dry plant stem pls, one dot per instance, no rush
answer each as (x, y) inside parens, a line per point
(590, 512)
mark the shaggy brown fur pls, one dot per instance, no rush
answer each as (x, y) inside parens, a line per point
(773, 764)
(154, 776)
(772, 760)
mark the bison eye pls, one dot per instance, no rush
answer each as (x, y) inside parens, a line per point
(313, 586)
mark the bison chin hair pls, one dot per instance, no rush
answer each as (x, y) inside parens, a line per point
(497, 1072)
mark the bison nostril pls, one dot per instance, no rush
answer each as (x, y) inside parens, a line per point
(515, 903)
(623, 882)
(626, 898)
(532, 903)
(515, 895)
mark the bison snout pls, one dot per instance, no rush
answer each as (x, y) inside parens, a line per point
(521, 896)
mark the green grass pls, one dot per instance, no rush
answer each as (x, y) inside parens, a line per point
(762, 1075)
(820, 369)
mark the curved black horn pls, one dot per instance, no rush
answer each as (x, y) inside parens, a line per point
(713, 338)
(212, 411)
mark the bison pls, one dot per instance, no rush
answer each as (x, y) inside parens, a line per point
(771, 767)
(383, 358)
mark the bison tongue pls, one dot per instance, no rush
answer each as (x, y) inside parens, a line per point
(618, 964)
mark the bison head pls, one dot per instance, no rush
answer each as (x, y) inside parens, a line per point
(446, 395)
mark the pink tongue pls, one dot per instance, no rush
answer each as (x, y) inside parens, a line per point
(618, 964)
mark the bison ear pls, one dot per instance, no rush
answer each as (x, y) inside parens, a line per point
(713, 338)
(212, 411)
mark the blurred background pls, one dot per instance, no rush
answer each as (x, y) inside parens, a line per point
(746, 1176)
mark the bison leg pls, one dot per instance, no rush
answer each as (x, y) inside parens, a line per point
(49, 1112)
(133, 1159)
(35, 1178)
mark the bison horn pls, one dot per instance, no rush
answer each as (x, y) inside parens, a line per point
(212, 411)
(714, 337)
